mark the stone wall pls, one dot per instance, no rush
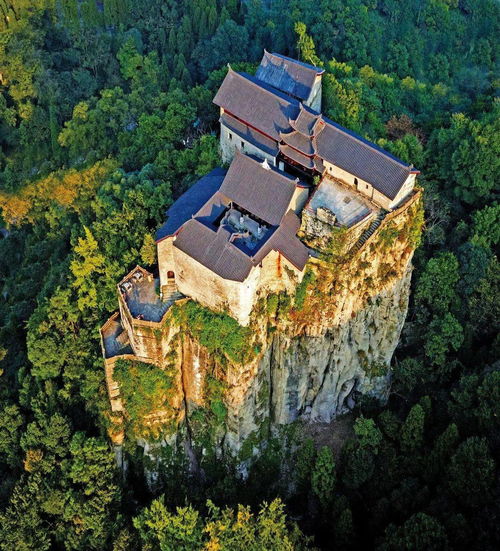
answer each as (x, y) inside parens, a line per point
(166, 263)
(238, 298)
(314, 99)
(366, 189)
(230, 141)
(318, 227)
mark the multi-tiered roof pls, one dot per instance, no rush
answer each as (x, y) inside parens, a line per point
(258, 110)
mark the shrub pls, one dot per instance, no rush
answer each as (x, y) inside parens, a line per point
(143, 388)
(218, 332)
(300, 294)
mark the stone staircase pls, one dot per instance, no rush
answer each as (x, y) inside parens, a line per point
(170, 294)
(369, 231)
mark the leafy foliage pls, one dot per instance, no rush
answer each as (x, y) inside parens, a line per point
(105, 118)
(219, 333)
(144, 389)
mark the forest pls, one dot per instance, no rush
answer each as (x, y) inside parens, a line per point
(106, 117)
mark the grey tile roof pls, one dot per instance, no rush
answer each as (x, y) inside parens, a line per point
(266, 193)
(299, 141)
(288, 75)
(362, 158)
(304, 160)
(306, 120)
(249, 134)
(213, 250)
(255, 103)
(345, 149)
(285, 240)
(190, 202)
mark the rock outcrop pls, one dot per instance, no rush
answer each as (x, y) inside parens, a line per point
(305, 356)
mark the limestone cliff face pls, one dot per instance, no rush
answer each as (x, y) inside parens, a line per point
(312, 354)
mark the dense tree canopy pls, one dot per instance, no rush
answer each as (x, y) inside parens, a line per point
(105, 118)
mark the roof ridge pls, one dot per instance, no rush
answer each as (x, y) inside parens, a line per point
(305, 65)
(279, 173)
(259, 86)
(367, 143)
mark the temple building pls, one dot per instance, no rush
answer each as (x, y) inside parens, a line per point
(224, 250)
(263, 116)
(243, 233)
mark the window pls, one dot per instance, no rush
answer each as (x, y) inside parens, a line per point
(230, 135)
(367, 186)
(356, 182)
(242, 145)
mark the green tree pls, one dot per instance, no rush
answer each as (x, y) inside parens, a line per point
(470, 474)
(436, 287)
(305, 45)
(445, 334)
(421, 532)
(368, 433)
(323, 476)
(441, 452)
(148, 250)
(11, 422)
(412, 430)
(181, 530)
(304, 462)
(486, 226)
(87, 267)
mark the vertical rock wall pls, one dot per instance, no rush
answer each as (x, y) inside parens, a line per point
(314, 358)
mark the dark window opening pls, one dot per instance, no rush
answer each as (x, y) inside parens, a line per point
(170, 274)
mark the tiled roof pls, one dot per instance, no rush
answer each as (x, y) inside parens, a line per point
(345, 149)
(265, 193)
(190, 202)
(288, 75)
(299, 141)
(303, 160)
(256, 103)
(285, 241)
(249, 134)
(362, 158)
(213, 250)
(306, 121)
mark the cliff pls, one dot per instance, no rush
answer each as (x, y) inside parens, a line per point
(306, 355)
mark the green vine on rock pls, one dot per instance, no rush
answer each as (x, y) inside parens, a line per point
(218, 332)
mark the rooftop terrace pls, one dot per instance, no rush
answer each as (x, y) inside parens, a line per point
(347, 204)
(114, 338)
(140, 292)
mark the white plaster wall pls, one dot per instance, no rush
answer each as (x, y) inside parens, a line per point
(404, 191)
(381, 199)
(299, 199)
(368, 190)
(198, 282)
(166, 260)
(314, 99)
(228, 146)
(364, 187)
